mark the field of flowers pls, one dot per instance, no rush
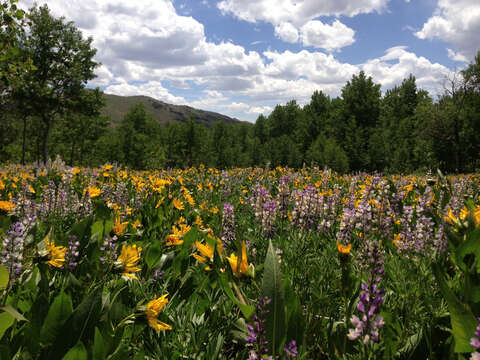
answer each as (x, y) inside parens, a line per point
(249, 263)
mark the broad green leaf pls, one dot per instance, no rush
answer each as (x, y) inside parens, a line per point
(98, 346)
(58, 314)
(5, 353)
(6, 320)
(191, 237)
(80, 325)
(97, 230)
(78, 352)
(470, 246)
(272, 288)
(154, 254)
(461, 317)
(247, 310)
(295, 319)
(4, 277)
(8, 308)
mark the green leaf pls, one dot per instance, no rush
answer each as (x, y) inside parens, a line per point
(8, 308)
(6, 320)
(4, 277)
(97, 230)
(98, 346)
(295, 319)
(80, 325)
(272, 288)
(461, 317)
(58, 314)
(471, 246)
(154, 254)
(190, 237)
(247, 310)
(78, 352)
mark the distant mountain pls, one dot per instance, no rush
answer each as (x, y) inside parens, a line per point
(117, 106)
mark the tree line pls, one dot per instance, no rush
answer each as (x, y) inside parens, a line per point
(46, 110)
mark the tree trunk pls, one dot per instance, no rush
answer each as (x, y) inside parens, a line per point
(24, 138)
(46, 134)
(72, 152)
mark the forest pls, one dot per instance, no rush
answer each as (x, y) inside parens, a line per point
(47, 109)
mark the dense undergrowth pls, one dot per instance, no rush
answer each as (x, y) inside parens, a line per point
(251, 263)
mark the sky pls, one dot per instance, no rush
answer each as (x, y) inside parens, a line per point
(242, 57)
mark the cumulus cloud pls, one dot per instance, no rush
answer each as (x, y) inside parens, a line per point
(328, 37)
(398, 63)
(295, 11)
(146, 45)
(456, 22)
(317, 34)
(153, 89)
(287, 32)
(455, 56)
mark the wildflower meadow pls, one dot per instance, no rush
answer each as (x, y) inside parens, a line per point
(246, 263)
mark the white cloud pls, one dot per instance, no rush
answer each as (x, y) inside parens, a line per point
(265, 110)
(456, 22)
(398, 63)
(153, 89)
(455, 56)
(328, 37)
(145, 45)
(314, 66)
(287, 32)
(296, 11)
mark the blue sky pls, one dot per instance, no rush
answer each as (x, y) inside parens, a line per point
(242, 57)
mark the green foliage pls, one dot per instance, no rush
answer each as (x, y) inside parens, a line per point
(272, 288)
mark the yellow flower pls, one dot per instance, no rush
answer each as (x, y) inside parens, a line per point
(199, 258)
(178, 233)
(178, 204)
(119, 227)
(397, 240)
(342, 249)
(129, 258)
(6, 206)
(137, 224)
(190, 199)
(159, 202)
(56, 254)
(93, 191)
(174, 240)
(199, 222)
(242, 267)
(206, 250)
(153, 309)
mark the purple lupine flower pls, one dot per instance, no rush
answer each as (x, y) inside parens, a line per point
(371, 298)
(71, 256)
(283, 197)
(306, 209)
(260, 196)
(291, 349)
(157, 275)
(108, 248)
(256, 339)
(475, 342)
(12, 249)
(228, 225)
(347, 222)
(268, 218)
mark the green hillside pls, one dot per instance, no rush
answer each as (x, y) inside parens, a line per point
(117, 106)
